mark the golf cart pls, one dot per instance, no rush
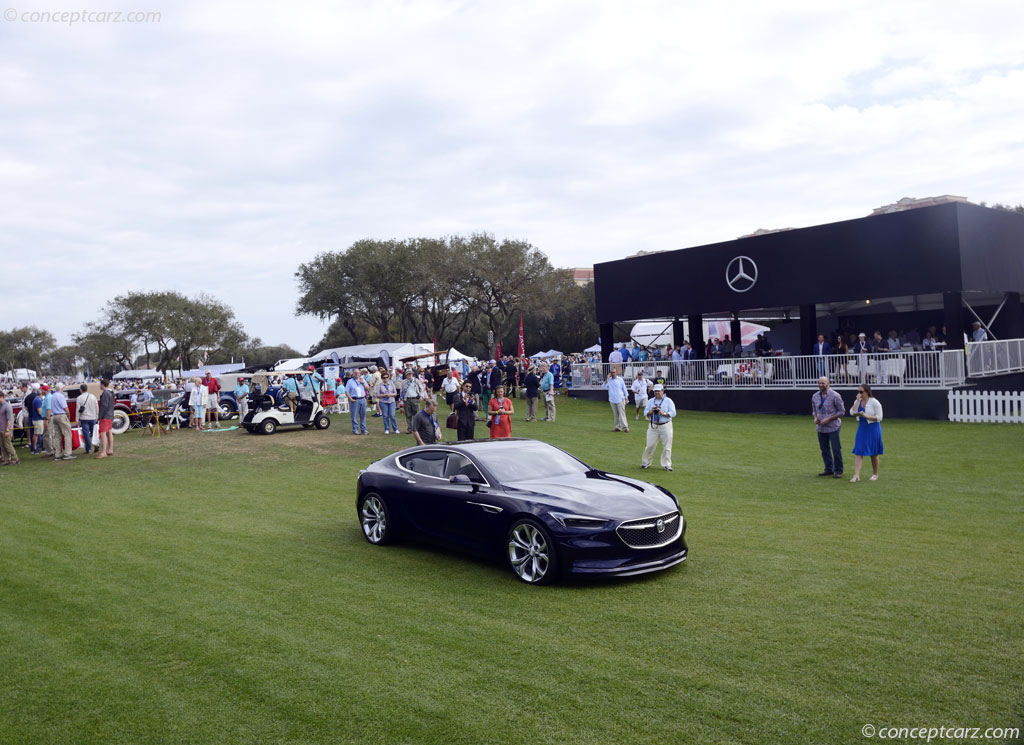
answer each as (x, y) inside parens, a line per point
(268, 410)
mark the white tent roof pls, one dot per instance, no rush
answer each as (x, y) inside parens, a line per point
(553, 353)
(137, 374)
(595, 348)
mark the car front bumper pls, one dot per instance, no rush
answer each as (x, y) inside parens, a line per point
(629, 567)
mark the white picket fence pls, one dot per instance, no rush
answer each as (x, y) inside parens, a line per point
(986, 406)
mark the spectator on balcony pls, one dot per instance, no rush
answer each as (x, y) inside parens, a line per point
(894, 341)
(822, 349)
(762, 346)
(878, 343)
(728, 348)
(978, 333)
(715, 350)
(840, 350)
(929, 341)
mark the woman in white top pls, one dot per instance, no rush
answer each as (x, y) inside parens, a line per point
(199, 400)
(868, 442)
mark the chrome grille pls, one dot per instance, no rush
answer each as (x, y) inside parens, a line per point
(644, 533)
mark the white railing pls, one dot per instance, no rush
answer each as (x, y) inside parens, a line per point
(986, 406)
(986, 358)
(938, 369)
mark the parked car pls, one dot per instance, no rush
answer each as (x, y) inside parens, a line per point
(122, 407)
(545, 511)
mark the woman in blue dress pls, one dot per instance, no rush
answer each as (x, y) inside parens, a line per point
(868, 442)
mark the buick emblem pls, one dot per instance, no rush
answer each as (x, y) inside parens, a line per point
(661, 526)
(741, 274)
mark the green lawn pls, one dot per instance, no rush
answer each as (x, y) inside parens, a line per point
(215, 588)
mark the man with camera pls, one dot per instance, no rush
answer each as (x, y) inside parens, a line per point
(660, 411)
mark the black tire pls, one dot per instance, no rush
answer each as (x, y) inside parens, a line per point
(530, 552)
(122, 422)
(375, 520)
(323, 421)
(227, 411)
(268, 426)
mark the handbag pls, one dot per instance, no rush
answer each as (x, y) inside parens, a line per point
(452, 422)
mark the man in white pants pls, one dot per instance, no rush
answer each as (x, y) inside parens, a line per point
(660, 411)
(617, 397)
(640, 393)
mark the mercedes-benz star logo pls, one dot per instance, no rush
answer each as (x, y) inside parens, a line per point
(661, 526)
(741, 274)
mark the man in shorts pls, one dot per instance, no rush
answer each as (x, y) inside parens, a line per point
(640, 393)
(213, 408)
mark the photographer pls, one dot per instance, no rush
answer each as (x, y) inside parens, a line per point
(659, 411)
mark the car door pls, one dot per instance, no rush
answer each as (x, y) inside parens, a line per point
(475, 509)
(438, 507)
(425, 490)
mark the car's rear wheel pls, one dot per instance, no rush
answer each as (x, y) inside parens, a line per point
(227, 411)
(531, 553)
(323, 421)
(375, 520)
(268, 427)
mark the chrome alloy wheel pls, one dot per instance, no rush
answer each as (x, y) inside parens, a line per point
(528, 553)
(374, 519)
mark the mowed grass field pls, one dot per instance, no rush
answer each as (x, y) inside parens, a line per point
(216, 588)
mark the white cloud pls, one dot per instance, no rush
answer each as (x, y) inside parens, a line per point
(217, 149)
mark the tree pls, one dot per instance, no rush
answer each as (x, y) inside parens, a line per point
(452, 289)
(168, 325)
(26, 346)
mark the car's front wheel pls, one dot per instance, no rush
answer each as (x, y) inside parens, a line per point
(122, 422)
(375, 520)
(531, 553)
(323, 421)
(268, 426)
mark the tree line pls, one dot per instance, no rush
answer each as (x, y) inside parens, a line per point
(454, 289)
(163, 330)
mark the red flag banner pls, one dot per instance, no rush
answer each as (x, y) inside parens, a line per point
(497, 353)
(522, 342)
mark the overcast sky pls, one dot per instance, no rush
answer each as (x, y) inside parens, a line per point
(217, 148)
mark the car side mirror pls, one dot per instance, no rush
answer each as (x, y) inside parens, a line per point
(461, 479)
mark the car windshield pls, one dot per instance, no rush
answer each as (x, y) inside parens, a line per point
(526, 461)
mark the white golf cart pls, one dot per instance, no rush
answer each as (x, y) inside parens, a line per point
(268, 411)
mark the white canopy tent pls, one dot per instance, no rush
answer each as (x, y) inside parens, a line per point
(595, 348)
(138, 375)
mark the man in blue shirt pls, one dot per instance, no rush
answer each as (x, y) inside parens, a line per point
(60, 427)
(43, 403)
(547, 388)
(291, 391)
(313, 380)
(660, 411)
(617, 397)
(355, 391)
(242, 398)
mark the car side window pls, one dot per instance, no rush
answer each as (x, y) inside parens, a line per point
(459, 464)
(427, 463)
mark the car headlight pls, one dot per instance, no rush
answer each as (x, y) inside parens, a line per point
(567, 520)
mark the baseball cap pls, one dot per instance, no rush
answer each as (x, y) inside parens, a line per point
(45, 387)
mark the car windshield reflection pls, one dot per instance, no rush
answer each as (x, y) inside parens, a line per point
(526, 461)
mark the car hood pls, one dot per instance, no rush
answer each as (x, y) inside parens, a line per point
(612, 496)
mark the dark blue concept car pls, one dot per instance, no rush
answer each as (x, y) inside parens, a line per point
(544, 511)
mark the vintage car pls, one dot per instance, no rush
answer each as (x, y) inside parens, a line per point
(544, 511)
